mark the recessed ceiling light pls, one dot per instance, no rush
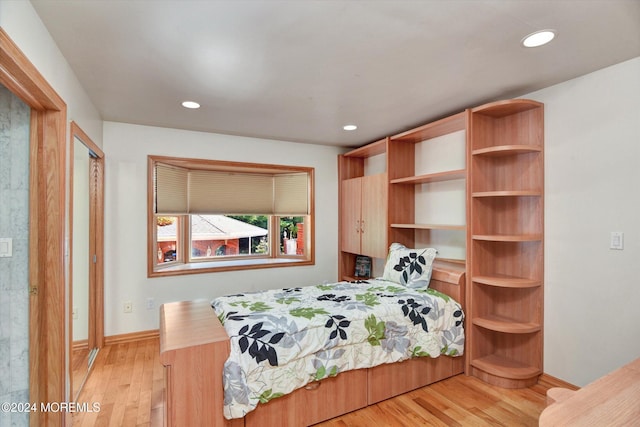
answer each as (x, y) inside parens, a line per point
(538, 38)
(190, 104)
(349, 127)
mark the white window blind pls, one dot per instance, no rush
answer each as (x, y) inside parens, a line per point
(212, 192)
(170, 185)
(291, 194)
(185, 191)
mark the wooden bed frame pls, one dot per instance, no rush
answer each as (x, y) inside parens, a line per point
(194, 347)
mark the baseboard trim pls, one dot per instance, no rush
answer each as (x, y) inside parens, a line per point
(556, 382)
(80, 345)
(131, 337)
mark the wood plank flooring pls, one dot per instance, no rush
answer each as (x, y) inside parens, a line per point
(127, 382)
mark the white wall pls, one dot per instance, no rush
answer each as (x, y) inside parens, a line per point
(126, 149)
(592, 173)
(21, 22)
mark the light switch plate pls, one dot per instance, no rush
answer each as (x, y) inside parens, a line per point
(6, 247)
(617, 240)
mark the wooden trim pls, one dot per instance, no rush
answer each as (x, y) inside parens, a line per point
(551, 381)
(50, 290)
(70, 282)
(95, 178)
(96, 238)
(79, 345)
(131, 337)
(76, 131)
(454, 123)
(35, 274)
(22, 78)
(46, 229)
(97, 169)
(369, 150)
(224, 165)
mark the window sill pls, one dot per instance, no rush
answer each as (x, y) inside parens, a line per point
(231, 265)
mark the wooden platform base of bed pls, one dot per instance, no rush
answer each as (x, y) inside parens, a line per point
(194, 347)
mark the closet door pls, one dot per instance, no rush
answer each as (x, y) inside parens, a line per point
(350, 212)
(373, 222)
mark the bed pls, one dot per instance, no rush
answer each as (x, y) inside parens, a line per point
(195, 347)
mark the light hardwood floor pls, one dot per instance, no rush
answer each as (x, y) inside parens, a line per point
(127, 382)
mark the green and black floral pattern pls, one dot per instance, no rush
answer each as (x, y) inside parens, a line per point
(283, 339)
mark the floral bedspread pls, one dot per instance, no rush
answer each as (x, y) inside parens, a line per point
(283, 339)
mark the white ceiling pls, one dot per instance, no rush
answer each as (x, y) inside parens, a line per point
(300, 70)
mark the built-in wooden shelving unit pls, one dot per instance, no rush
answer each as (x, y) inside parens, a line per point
(500, 174)
(505, 258)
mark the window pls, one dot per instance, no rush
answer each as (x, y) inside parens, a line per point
(207, 215)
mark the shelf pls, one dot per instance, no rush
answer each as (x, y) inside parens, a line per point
(506, 107)
(354, 279)
(430, 226)
(507, 193)
(432, 177)
(506, 368)
(369, 150)
(441, 127)
(507, 281)
(508, 237)
(505, 150)
(506, 325)
(506, 201)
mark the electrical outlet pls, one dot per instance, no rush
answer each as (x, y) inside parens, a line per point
(151, 303)
(127, 307)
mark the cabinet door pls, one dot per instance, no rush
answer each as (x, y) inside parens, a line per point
(350, 214)
(373, 223)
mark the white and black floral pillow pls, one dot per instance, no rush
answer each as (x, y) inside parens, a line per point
(409, 267)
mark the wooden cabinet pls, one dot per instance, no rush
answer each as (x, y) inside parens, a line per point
(317, 402)
(364, 215)
(505, 251)
(363, 199)
(193, 349)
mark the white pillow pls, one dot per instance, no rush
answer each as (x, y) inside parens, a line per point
(409, 267)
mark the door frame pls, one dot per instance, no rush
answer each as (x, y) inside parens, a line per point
(96, 242)
(47, 183)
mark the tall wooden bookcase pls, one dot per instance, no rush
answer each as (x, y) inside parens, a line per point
(502, 174)
(505, 248)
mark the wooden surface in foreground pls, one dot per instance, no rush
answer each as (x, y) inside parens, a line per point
(612, 400)
(127, 381)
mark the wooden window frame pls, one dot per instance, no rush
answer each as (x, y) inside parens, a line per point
(185, 265)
